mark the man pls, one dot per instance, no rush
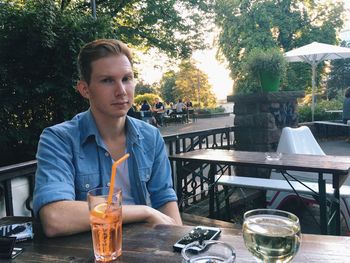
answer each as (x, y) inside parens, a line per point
(159, 110)
(76, 156)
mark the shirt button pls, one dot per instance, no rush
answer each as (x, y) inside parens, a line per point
(87, 186)
(106, 154)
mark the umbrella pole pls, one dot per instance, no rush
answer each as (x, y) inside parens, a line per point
(313, 91)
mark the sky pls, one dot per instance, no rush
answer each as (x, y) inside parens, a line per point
(153, 65)
(218, 74)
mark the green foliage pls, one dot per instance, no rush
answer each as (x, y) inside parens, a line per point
(38, 49)
(168, 86)
(284, 24)
(193, 83)
(39, 43)
(149, 97)
(188, 82)
(269, 60)
(211, 110)
(174, 26)
(142, 88)
(304, 111)
(339, 78)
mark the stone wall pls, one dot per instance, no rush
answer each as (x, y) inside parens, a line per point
(260, 118)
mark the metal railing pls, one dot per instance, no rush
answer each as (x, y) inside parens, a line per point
(222, 138)
(213, 138)
(191, 181)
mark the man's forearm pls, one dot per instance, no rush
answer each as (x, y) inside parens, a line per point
(172, 210)
(65, 218)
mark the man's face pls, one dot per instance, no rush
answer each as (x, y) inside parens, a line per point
(111, 88)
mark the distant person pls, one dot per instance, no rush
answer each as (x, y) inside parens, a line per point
(158, 111)
(158, 106)
(168, 107)
(180, 106)
(132, 112)
(145, 106)
(188, 104)
(346, 109)
(346, 106)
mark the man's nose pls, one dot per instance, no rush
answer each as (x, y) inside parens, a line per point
(120, 88)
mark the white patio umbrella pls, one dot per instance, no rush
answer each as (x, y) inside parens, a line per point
(313, 54)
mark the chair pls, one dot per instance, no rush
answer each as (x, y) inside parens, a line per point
(146, 116)
(192, 115)
(300, 141)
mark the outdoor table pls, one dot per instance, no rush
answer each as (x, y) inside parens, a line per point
(338, 166)
(144, 243)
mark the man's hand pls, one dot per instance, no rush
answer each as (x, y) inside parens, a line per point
(155, 217)
(167, 214)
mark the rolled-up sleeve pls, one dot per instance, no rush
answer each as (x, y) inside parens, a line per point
(160, 185)
(54, 179)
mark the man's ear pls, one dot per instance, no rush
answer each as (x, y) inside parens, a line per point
(83, 89)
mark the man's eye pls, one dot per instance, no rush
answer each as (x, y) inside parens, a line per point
(128, 78)
(107, 80)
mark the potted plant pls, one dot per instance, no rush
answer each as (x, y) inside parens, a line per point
(268, 67)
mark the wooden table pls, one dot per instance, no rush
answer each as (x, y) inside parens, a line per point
(143, 243)
(338, 166)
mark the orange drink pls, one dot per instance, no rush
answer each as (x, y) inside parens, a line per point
(106, 224)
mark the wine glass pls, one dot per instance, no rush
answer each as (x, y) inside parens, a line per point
(271, 235)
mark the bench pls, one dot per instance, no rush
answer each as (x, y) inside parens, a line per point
(276, 185)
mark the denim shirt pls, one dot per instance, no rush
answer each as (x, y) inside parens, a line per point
(73, 159)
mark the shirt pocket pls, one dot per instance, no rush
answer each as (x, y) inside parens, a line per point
(145, 173)
(84, 183)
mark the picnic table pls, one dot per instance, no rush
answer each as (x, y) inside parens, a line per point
(338, 166)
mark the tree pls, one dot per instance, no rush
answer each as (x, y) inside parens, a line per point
(168, 86)
(38, 49)
(286, 24)
(173, 26)
(339, 78)
(188, 82)
(149, 97)
(39, 43)
(192, 83)
(142, 88)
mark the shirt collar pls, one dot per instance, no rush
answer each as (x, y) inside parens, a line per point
(133, 130)
(88, 128)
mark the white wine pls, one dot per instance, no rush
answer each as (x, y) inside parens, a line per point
(271, 238)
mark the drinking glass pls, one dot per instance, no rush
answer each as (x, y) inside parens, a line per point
(106, 223)
(271, 235)
(209, 251)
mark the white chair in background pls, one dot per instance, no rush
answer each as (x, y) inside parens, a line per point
(301, 141)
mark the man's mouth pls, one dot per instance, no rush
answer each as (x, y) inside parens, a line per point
(119, 103)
